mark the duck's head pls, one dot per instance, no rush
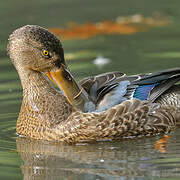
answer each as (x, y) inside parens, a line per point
(35, 49)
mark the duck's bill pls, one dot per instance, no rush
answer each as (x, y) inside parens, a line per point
(63, 79)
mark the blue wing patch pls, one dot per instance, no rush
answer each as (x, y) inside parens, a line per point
(142, 92)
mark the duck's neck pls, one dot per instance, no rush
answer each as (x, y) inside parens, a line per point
(33, 81)
(41, 102)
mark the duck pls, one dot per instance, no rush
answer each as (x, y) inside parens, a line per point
(71, 115)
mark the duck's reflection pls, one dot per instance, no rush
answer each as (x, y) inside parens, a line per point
(123, 160)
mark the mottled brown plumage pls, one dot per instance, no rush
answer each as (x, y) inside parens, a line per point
(46, 113)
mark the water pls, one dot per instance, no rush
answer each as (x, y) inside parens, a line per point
(155, 48)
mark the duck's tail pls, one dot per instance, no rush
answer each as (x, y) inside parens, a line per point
(171, 97)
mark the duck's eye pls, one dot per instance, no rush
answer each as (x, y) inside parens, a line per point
(45, 53)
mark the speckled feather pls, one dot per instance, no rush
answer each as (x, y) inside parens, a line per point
(46, 114)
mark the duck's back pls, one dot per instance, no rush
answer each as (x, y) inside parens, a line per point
(116, 87)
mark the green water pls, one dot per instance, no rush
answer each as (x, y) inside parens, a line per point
(151, 50)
